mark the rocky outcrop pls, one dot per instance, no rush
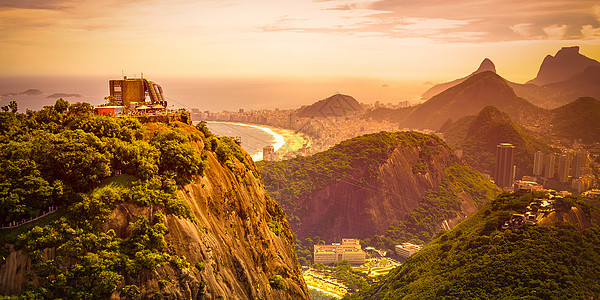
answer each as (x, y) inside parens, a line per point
(345, 208)
(567, 63)
(233, 238)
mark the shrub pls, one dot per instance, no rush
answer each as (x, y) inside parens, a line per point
(277, 282)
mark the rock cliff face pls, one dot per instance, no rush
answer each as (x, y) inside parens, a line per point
(567, 63)
(240, 241)
(344, 208)
(385, 177)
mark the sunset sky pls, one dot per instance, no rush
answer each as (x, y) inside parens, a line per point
(384, 41)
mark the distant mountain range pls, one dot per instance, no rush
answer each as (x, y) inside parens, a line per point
(486, 65)
(585, 84)
(467, 98)
(561, 79)
(337, 105)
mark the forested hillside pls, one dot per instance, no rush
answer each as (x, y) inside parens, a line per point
(556, 259)
(143, 210)
(386, 188)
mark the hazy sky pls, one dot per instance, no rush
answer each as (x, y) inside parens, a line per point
(387, 41)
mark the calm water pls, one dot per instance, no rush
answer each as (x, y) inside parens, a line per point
(253, 139)
(211, 94)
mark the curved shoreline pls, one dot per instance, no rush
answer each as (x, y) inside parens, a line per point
(281, 137)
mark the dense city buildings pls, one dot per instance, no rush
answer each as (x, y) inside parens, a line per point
(505, 169)
(574, 169)
(580, 162)
(324, 132)
(349, 250)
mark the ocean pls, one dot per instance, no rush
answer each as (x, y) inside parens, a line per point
(211, 94)
(253, 137)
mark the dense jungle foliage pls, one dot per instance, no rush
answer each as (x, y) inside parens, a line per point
(65, 156)
(476, 260)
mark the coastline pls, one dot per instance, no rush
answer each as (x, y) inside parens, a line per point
(284, 140)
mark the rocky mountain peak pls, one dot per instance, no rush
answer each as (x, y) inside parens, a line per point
(486, 65)
(567, 62)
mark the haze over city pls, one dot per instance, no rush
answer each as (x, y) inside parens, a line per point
(255, 54)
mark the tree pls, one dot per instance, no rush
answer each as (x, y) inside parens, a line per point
(13, 106)
(112, 100)
(61, 106)
(81, 107)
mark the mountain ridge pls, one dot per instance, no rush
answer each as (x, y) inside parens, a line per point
(469, 97)
(486, 65)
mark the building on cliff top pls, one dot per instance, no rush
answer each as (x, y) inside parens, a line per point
(133, 96)
(349, 250)
(128, 91)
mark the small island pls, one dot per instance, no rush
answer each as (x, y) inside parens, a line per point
(29, 92)
(63, 95)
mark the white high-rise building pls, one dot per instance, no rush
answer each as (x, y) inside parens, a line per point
(549, 166)
(538, 163)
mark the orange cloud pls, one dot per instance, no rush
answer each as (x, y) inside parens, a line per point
(555, 31)
(590, 33)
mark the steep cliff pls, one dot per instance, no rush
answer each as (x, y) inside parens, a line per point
(361, 187)
(567, 63)
(188, 219)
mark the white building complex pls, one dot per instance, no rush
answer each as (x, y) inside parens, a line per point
(407, 249)
(349, 250)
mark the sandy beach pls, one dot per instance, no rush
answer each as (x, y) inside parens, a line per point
(284, 140)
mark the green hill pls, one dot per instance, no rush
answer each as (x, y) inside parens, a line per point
(385, 187)
(475, 260)
(477, 136)
(145, 211)
(579, 119)
(337, 105)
